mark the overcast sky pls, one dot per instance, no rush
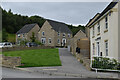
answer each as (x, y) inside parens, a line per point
(68, 12)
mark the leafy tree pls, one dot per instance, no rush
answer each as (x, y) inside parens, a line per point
(33, 37)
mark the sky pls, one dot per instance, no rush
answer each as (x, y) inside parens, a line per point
(74, 13)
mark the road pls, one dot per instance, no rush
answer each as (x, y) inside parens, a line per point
(13, 73)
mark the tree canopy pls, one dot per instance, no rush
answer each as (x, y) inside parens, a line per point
(11, 23)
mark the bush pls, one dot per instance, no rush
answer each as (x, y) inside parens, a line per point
(38, 42)
(105, 63)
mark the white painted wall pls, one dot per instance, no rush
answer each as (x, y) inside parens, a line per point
(111, 36)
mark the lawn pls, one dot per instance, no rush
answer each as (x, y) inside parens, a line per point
(37, 57)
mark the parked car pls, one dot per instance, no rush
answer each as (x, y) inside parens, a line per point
(5, 44)
(31, 44)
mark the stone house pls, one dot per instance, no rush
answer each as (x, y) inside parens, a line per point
(79, 35)
(54, 33)
(104, 33)
(26, 32)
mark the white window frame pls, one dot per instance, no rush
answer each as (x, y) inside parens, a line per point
(43, 34)
(18, 35)
(44, 40)
(68, 34)
(98, 49)
(23, 35)
(106, 48)
(63, 34)
(58, 33)
(58, 41)
(98, 27)
(49, 40)
(106, 22)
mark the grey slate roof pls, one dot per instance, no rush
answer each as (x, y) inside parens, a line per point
(110, 6)
(59, 26)
(26, 28)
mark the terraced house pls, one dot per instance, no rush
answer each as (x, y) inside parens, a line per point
(105, 32)
(54, 33)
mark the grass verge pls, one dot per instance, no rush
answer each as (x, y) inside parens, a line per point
(37, 57)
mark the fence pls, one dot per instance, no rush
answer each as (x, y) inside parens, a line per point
(105, 64)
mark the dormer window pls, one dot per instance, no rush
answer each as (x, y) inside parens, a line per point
(43, 33)
(63, 34)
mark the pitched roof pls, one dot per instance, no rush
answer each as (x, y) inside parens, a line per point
(110, 6)
(59, 26)
(26, 28)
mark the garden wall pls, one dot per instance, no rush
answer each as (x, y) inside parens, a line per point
(10, 61)
(84, 60)
(15, 48)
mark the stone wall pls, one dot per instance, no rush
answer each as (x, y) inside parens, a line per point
(8, 61)
(24, 48)
(84, 60)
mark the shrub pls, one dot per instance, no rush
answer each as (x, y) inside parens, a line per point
(105, 63)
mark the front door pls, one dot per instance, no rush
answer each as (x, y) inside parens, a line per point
(98, 48)
(63, 42)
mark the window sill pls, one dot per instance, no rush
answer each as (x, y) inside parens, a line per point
(98, 34)
(105, 31)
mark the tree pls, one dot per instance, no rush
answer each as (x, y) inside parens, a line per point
(4, 36)
(33, 37)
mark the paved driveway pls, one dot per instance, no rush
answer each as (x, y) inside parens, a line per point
(71, 67)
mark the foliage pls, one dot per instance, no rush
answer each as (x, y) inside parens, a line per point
(14, 22)
(105, 63)
(75, 29)
(37, 57)
(33, 37)
(4, 36)
(38, 42)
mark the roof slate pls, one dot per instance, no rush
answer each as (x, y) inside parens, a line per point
(59, 26)
(26, 28)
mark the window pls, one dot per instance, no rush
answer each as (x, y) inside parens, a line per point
(43, 33)
(106, 22)
(18, 35)
(106, 48)
(93, 49)
(58, 41)
(68, 35)
(93, 30)
(49, 41)
(58, 33)
(23, 35)
(98, 48)
(43, 40)
(98, 27)
(63, 34)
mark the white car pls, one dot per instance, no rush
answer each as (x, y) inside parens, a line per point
(5, 44)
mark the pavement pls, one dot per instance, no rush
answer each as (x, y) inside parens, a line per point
(70, 68)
